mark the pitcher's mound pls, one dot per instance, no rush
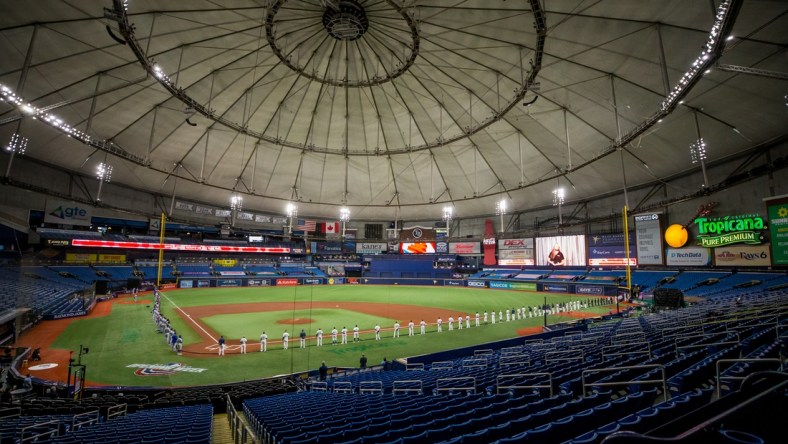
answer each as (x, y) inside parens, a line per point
(295, 321)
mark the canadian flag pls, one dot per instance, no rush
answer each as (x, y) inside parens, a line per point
(331, 227)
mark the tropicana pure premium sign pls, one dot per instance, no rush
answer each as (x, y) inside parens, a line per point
(727, 230)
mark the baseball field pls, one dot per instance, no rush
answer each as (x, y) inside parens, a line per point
(125, 347)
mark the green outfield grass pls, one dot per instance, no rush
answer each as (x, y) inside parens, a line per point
(128, 335)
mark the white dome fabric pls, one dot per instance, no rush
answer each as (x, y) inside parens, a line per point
(377, 104)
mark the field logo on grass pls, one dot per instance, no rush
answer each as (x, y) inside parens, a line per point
(163, 369)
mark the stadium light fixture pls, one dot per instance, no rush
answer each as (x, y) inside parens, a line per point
(448, 215)
(559, 195)
(292, 212)
(703, 61)
(103, 174)
(17, 145)
(500, 210)
(344, 216)
(236, 202)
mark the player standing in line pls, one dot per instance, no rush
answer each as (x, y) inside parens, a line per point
(451, 323)
(263, 342)
(344, 335)
(508, 316)
(519, 315)
(334, 336)
(396, 329)
(440, 325)
(377, 332)
(221, 345)
(485, 317)
(355, 334)
(410, 327)
(302, 337)
(468, 320)
(477, 318)
(179, 345)
(174, 341)
(459, 322)
(493, 318)
(319, 337)
(243, 345)
(423, 326)
(285, 339)
(500, 316)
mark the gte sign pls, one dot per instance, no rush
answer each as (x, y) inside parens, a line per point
(67, 213)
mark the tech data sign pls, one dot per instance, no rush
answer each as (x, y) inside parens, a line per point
(721, 231)
(67, 213)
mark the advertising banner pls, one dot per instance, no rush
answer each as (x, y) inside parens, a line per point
(464, 248)
(527, 286)
(67, 213)
(184, 206)
(226, 262)
(688, 256)
(289, 282)
(477, 284)
(417, 248)
(648, 239)
(727, 230)
(223, 213)
(589, 289)
(743, 256)
(336, 281)
(203, 283)
(313, 281)
(778, 228)
(454, 283)
(609, 250)
(259, 282)
(371, 247)
(516, 252)
(112, 258)
(441, 247)
(228, 282)
(188, 283)
(81, 257)
(203, 210)
(58, 242)
(326, 247)
(556, 288)
(488, 242)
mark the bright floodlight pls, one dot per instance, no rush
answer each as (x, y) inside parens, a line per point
(236, 202)
(344, 214)
(698, 151)
(500, 207)
(292, 210)
(104, 172)
(18, 144)
(448, 213)
(559, 194)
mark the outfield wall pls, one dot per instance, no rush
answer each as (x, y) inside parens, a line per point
(549, 287)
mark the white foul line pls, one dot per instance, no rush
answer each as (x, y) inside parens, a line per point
(189, 317)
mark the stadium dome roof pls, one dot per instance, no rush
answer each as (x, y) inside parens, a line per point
(383, 104)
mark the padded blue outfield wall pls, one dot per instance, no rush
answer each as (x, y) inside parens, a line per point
(548, 287)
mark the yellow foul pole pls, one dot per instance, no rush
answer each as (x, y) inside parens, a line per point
(161, 249)
(626, 249)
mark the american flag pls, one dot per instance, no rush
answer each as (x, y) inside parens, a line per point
(306, 225)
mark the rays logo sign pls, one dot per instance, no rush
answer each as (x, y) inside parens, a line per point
(163, 369)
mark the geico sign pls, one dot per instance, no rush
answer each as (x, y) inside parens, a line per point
(476, 284)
